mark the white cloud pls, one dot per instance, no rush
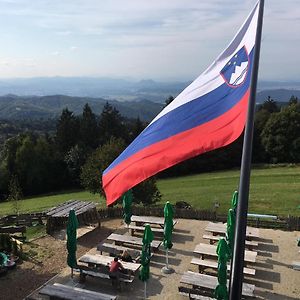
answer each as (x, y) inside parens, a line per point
(124, 36)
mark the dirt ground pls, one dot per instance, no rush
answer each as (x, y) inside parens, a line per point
(47, 257)
(274, 279)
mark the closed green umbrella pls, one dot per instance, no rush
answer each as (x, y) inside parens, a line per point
(168, 225)
(231, 221)
(146, 255)
(168, 229)
(234, 200)
(127, 202)
(223, 252)
(72, 240)
(231, 228)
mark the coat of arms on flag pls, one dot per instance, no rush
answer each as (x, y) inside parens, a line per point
(235, 71)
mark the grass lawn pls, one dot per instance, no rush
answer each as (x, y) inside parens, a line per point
(273, 191)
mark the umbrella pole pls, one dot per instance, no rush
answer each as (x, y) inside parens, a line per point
(71, 272)
(167, 258)
(145, 289)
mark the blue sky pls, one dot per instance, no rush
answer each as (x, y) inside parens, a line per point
(139, 39)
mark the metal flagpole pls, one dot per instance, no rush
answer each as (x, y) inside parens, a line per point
(236, 275)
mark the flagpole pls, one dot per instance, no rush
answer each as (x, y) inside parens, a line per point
(236, 275)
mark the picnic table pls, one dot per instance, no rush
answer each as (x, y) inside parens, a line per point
(60, 291)
(116, 250)
(213, 239)
(213, 264)
(208, 283)
(142, 220)
(85, 211)
(210, 250)
(132, 240)
(221, 228)
(104, 260)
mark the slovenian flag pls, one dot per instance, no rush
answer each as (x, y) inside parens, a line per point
(210, 113)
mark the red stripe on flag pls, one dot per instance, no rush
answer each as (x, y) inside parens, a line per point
(162, 155)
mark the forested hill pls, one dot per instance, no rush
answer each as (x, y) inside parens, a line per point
(14, 107)
(34, 107)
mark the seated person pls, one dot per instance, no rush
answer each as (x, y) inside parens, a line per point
(116, 268)
(126, 256)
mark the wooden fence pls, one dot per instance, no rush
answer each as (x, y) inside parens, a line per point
(285, 223)
(22, 219)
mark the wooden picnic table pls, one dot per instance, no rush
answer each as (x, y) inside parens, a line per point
(116, 250)
(60, 291)
(213, 264)
(85, 211)
(149, 220)
(221, 228)
(132, 240)
(208, 282)
(210, 250)
(104, 260)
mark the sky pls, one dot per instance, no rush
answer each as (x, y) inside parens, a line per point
(140, 39)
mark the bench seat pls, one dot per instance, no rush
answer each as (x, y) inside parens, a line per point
(60, 291)
(192, 293)
(88, 271)
(207, 263)
(132, 240)
(208, 283)
(215, 238)
(132, 228)
(118, 249)
(211, 250)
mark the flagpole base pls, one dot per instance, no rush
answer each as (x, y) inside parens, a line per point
(167, 270)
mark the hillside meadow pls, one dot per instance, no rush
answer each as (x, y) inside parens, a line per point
(273, 190)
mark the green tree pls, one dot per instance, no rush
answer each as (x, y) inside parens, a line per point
(169, 100)
(89, 132)
(91, 175)
(293, 100)
(281, 135)
(97, 162)
(269, 105)
(75, 159)
(136, 128)
(111, 124)
(67, 131)
(146, 192)
(15, 194)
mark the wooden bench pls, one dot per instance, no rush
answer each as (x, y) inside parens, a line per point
(116, 250)
(142, 220)
(221, 228)
(102, 273)
(14, 229)
(215, 238)
(207, 283)
(132, 240)
(207, 263)
(210, 250)
(133, 228)
(192, 293)
(60, 291)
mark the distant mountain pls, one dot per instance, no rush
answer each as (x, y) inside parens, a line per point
(278, 95)
(34, 107)
(106, 88)
(143, 98)
(110, 88)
